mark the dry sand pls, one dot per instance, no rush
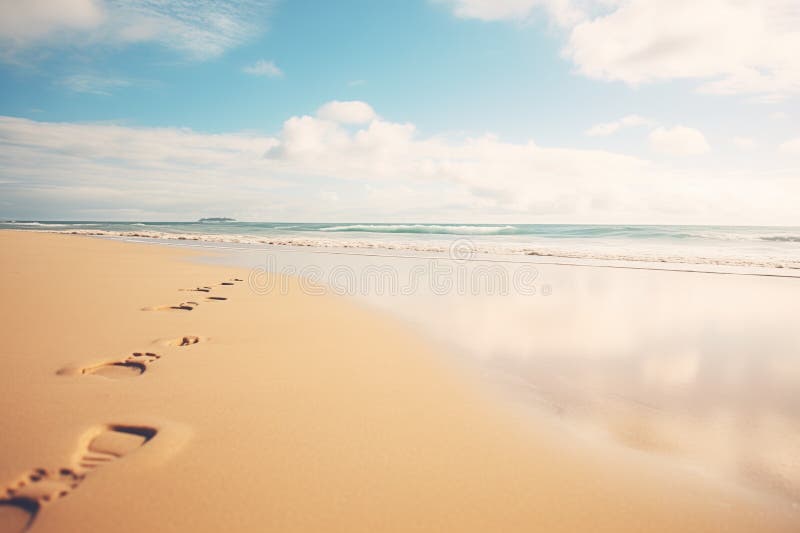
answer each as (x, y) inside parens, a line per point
(278, 413)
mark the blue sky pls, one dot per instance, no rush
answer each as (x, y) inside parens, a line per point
(633, 111)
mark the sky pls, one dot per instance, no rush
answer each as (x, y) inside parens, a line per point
(503, 111)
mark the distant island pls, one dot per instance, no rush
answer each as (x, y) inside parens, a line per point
(217, 219)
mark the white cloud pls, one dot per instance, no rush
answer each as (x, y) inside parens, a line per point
(732, 46)
(791, 146)
(564, 12)
(608, 128)
(264, 68)
(728, 46)
(199, 29)
(736, 46)
(351, 112)
(91, 84)
(33, 19)
(112, 170)
(678, 141)
(376, 170)
(744, 143)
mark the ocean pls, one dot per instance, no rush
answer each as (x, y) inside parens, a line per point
(755, 247)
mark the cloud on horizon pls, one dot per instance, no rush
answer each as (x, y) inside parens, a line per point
(679, 141)
(791, 146)
(346, 161)
(352, 112)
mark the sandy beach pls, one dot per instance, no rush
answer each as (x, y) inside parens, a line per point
(145, 391)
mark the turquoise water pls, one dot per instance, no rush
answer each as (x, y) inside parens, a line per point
(771, 233)
(768, 247)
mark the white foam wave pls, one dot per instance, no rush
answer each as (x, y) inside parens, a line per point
(743, 236)
(780, 238)
(46, 224)
(443, 247)
(422, 228)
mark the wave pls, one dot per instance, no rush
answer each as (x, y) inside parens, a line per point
(439, 229)
(740, 237)
(444, 248)
(781, 238)
(35, 224)
(568, 231)
(625, 234)
(47, 224)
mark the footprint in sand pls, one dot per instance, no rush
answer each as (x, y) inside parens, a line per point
(25, 498)
(186, 340)
(183, 306)
(134, 365)
(216, 298)
(198, 289)
(232, 281)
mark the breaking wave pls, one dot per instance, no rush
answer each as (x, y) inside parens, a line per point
(493, 248)
(430, 229)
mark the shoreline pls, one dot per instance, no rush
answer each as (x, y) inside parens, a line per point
(289, 412)
(712, 248)
(479, 257)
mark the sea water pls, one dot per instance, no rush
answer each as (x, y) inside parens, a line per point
(731, 246)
